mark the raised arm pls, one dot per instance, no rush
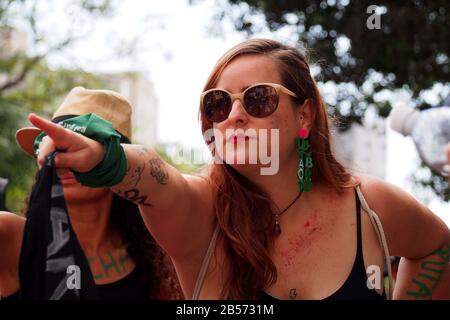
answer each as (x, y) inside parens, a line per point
(177, 209)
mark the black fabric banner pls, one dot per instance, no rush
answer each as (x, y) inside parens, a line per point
(52, 265)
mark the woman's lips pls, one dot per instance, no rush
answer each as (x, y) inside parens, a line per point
(235, 139)
(67, 178)
(68, 181)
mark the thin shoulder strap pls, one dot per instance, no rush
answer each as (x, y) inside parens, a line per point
(381, 238)
(204, 268)
(359, 251)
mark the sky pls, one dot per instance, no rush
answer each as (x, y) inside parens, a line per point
(176, 49)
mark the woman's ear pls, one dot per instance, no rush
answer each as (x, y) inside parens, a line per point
(306, 114)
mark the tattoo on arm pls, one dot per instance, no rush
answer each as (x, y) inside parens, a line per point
(142, 151)
(431, 272)
(135, 175)
(293, 294)
(134, 196)
(157, 171)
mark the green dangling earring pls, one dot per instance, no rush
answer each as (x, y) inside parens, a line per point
(305, 165)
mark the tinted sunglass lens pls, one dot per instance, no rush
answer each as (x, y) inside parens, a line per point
(261, 101)
(217, 105)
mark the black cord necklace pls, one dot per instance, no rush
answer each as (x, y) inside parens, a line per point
(277, 228)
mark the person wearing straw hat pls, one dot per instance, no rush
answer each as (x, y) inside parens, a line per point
(304, 228)
(124, 259)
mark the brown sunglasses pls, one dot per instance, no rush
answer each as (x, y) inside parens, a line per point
(259, 100)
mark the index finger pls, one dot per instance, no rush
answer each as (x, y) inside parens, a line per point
(53, 130)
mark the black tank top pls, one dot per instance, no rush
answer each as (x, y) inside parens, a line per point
(128, 288)
(355, 287)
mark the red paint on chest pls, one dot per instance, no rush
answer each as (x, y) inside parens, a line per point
(299, 242)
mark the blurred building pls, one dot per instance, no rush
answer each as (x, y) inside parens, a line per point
(363, 148)
(140, 92)
(132, 85)
(12, 42)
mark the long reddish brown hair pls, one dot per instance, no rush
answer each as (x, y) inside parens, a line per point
(239, 203)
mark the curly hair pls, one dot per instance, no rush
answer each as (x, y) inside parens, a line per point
(159, 276)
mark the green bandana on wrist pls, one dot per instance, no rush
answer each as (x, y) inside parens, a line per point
(113, 168)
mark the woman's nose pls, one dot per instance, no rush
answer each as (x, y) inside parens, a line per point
(238, 113)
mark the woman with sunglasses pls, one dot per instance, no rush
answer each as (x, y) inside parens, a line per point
(312, 230)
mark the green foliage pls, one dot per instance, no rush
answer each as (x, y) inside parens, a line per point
(424, 180)
(41, 92)
(27, 84)
(412, 43)
(165, 151)
(15, 165)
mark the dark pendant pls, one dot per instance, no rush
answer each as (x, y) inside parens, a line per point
(277, 229)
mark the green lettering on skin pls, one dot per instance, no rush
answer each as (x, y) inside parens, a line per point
(122, 259)
(425, 266)
(107, 266)
(423, 292)
(97, 276)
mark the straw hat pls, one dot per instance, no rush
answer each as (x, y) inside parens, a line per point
(107, 104)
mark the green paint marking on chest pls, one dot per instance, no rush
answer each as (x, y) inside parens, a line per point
(90, 261)
(107, 266)
(122, 260)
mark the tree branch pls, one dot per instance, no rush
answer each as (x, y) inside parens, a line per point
(19, 78)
